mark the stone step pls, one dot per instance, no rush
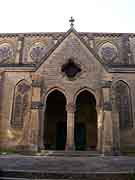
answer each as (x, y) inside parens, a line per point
(71, 153)
(34, 175)
(12, 178)
(7, 178)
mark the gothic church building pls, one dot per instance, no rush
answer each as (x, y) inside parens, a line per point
(67, 91)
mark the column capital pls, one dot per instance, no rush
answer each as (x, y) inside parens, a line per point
(36, 83)
(106, 84)
(70, 107)
(36, 105)
(107, 106)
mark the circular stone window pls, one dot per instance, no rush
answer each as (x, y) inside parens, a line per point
(38, 51)
(6, 52)
(71, 69)
(108, 51)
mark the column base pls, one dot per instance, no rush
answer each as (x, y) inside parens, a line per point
(33, 147)
(41, 147)
(107, 150)
(116, 152)
(70, 147)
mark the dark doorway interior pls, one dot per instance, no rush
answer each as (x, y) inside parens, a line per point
(61, 136)
(85, 122)
(55, 129)
(80, 136)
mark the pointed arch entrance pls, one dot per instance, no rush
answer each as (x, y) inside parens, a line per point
(85, 122)
(55, 122)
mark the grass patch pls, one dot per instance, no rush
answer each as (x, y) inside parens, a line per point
(7, 151)
(126, 150)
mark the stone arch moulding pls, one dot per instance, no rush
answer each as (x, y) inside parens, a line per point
(42, 113)
(55, 88)
(106, 41)
(50, 90)
(99, 114)
(120, 79)
(90, 90)
(21, 80)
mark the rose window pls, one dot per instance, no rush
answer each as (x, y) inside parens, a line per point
(38, 52)
(6, 52)
(108, 51)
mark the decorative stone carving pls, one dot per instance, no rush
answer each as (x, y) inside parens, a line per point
(108, 52)
(6, 52)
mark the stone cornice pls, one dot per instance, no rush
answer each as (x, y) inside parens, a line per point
(11, 35)
(89, 34)
(17, 67)
(122, 68)
(31, 68)
(55, 34)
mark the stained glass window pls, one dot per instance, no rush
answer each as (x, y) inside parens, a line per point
(123, 101)
(20, 106)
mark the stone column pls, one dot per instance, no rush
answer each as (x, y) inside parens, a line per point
(41, 145)
(99, 128)
(108, 126)
(3, 112)
(115, 119)
(70, 127)
(19, 53)
(35, 109)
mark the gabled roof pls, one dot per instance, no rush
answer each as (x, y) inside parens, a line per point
(59, 42)
(30, 67)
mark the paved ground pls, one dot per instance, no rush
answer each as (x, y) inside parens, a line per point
(67, 164)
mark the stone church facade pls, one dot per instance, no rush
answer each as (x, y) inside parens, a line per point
(67, 91)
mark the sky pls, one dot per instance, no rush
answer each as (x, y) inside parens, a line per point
(18, 16)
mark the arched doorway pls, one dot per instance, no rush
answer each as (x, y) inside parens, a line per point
(55, 128)
(85, 122)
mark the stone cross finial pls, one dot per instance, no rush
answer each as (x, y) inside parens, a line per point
(71, 20)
